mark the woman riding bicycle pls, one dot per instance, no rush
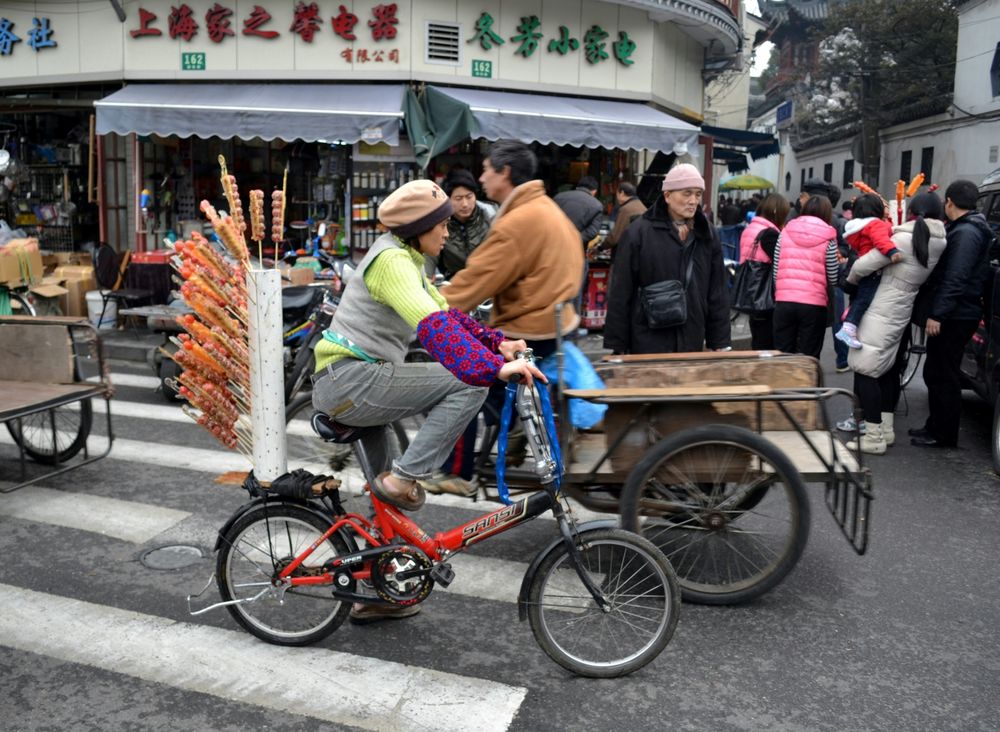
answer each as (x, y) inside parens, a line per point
(361, 378)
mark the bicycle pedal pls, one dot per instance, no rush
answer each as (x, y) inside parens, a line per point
(442, 574)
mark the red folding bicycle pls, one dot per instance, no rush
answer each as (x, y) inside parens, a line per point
(601, 601)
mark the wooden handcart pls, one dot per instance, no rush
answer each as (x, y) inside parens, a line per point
(53, 368)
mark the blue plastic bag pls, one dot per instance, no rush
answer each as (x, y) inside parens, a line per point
(578, 373)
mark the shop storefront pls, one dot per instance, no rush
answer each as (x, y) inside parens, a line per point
(353, 98)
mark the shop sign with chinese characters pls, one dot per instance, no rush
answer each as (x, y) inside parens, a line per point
(308, 22)
(595, 45)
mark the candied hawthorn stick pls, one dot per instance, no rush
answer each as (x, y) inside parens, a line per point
(918, 180)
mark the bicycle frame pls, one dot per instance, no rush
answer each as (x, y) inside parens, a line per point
(391, 523)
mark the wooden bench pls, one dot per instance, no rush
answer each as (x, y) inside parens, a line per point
(43, 372)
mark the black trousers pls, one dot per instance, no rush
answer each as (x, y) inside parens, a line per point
(881, 394)
(944, 384)
(762, 332)
(799, 328)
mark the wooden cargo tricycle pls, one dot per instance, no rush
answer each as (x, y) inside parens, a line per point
(708, 455)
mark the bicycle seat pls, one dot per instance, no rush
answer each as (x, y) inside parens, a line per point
(331, 431)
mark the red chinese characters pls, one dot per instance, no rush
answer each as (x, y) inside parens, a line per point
(181, 23)
(343, 24)
(217, 23)
(251, 26)
(145, 19)
(384, 25)
(306, 22)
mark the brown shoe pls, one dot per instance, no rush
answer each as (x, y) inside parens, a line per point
(365, 614)
(404, 494)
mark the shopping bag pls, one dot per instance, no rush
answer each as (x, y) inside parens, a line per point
(753, 288)
(578, 373)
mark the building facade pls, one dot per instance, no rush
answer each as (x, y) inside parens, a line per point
(143, 69)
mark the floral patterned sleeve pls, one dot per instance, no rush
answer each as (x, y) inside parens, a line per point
(489, 337)
(449, 343)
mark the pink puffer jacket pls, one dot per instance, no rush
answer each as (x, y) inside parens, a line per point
(802, 247)
(757, 224)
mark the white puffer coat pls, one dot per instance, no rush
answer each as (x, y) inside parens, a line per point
(882, 326)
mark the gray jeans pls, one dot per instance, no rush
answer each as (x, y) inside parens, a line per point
(363, 394)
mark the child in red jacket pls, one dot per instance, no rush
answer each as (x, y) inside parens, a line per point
(867, 230)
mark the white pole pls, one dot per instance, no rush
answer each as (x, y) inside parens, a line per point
(267, 388)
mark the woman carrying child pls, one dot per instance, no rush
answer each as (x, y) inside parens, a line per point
(921, 240)
(868, 229)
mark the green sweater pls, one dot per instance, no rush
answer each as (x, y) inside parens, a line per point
(396, 278)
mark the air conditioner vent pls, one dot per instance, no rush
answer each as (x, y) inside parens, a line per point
(444, 43)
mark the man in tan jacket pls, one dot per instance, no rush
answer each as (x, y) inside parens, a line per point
(629, 208)
(531, 258)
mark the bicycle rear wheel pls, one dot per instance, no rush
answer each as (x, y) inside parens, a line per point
(254, 550)
(638, 582)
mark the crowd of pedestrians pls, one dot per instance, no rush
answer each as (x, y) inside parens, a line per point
(857, 273)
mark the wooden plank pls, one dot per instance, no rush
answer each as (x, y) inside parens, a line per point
(33, 352)
(17, 396)
(658, 392)
(689, 356)
(42, 320)
(805, 460)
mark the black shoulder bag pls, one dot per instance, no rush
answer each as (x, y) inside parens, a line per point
(665, 302)
(753, 285)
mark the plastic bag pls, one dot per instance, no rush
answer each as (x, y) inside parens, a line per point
(578, 373)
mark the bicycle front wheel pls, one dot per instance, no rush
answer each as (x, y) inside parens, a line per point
(254, 550)
(638, 583)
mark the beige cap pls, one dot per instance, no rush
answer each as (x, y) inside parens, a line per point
(414, 208)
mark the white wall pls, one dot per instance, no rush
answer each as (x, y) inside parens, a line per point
(978, 35)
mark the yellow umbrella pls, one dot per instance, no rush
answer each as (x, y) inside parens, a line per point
(746, 183)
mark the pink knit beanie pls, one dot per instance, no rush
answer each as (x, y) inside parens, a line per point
(683, 176)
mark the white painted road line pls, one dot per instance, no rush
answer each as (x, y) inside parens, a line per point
(127, 520)
(336, 687)
(137, 380)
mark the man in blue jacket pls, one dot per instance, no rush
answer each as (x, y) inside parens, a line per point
(956, 307)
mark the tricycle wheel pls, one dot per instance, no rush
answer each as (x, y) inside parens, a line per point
(727, 508)
(34, 432)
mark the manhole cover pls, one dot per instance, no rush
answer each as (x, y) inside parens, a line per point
(171, 557)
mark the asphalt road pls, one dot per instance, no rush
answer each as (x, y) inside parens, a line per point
(903, 638)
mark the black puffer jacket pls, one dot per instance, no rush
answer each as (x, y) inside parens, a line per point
(650, 252)
(583, 210)
(958, 281)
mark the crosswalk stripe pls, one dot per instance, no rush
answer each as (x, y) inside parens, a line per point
(127, 520)
(135, 380)
(333, 686)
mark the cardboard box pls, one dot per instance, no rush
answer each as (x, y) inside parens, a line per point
(74, 302)
(21, 262)
(78, 281)
(297, 275)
